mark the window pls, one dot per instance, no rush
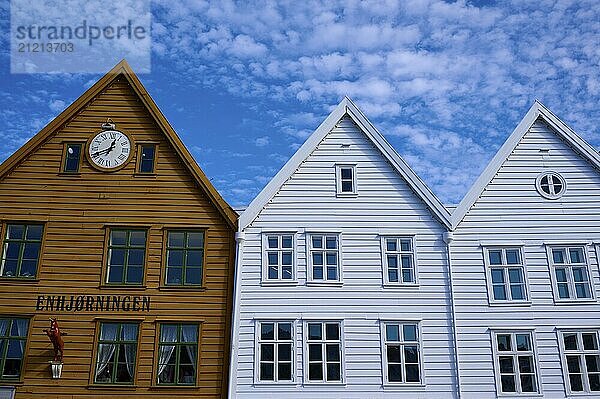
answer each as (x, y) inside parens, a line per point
(399, 260)
(514, 361)
(550, 185)
(581, 360)
(177, 354)
(506, 275)
(72, 158)
(278, 257)
(185, 258)
(147, 157)
(570, 273)
(13, 336)
(117, 347)
(324, 257)
(275, 351)
(345, 179)
(324, 349)
(402, 353)
(126, 254)
(21, 253)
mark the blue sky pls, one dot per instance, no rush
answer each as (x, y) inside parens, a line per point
(244, 85)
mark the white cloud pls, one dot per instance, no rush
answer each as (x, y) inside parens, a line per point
(262, 141)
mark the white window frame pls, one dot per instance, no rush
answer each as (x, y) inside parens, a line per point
(399, 252)
(552, 195)
(309, 254)
(569, 266)
(505, 266)
(338, 180)
(580, 353)
(265, 258)
(384, 360)
(257, 347)
(514, 353)
(323, 342)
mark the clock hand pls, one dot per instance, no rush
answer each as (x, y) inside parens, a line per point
(112, 146)
(106, 150)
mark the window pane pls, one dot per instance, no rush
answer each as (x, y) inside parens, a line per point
(576, 382)
(526, 364)
(118, 237)
(168, 333)
(594, 380)
(273, 241)
(406, 261)
(333, 372)
(286, 272)
(508, 383)
(593, 363)
(523, 342)
(315, 371)
(392, 332)
(272, 258)
(16, 231)
(332, 352)
(267, 331)
(517, 292)
(284, 371)
(318, 273)
(347, 186)
(317, 241)
(195, 239)
(314, 331)
(189, 333)
(495, 257)
(391, 244)
(34, 232)
(393, 354)
(497, 276)
(582, 290)
(515, 275)
(590, 341)
(558, 255)
(176, 239)
(317, 258)
(504, 342)
(331, 258)
(513, 257)
(284, 331)
(286, 258)
(410, 332)
(136, 257)
(506, 364)
(499, 293)
(137, 238)
(267, 352)
(314, 352)
(405, 245)
(331, 242)
(561, 275)
(393, 275)
(117, 257)
(576, 255)
(267, 371)
(395, 373)
(332, 331)
(528, 383)
(573, 364)
(284, 352)
(194, 258)
(174, 275)
(563, 290)
(332, 273)
(134, 274)
(286, 242)
(412, 373)
(579, 274)
(346, 173)
(411, 354)
(570, 341)
(392, 261)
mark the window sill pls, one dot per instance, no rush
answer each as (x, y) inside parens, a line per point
(122, 287)
(120, 387)
(346, 195)
(147, 175)
(324, 384)
(156, 386)
(400, 286)
(509, 304)
(69, 174)
(8, 382)
(19, 280)
(324, 283)
(275, 283)
(404, 385)
(575, 301)
(196, 288)
(271, 384)
(521, 395)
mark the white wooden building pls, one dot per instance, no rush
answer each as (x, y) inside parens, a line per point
(342, 286)
(525, 274)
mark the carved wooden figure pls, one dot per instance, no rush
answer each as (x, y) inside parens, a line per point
(55, 336)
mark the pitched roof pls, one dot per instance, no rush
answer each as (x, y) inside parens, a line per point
(537, 111)
(123, 69)
(346, 107)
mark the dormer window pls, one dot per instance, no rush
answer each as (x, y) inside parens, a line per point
(550, 185)
(345, 180)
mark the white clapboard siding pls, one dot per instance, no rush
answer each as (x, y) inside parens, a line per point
(510, 211)
(385, 204)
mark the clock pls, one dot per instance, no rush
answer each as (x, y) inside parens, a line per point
(110, 149)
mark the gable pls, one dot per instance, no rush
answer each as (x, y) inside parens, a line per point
(118, 95)
(346, 109)
(539, 143)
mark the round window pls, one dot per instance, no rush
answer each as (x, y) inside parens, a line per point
(551, 185)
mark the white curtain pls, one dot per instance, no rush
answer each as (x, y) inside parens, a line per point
(129, 333)
(108, 332)
(168, 333)
(22, 331)
(190, 335)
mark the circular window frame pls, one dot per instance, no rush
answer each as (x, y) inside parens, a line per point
(546, 195)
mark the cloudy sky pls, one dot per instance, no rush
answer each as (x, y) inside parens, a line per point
(445, 81)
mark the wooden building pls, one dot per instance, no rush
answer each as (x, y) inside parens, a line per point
(525, 267)
(109, 226)
(342, 286)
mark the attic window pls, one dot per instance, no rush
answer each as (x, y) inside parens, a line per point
(550, 185)
(345, 180)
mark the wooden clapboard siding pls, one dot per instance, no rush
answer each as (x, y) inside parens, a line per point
(510, 211)
(385, 204)
(77, 210)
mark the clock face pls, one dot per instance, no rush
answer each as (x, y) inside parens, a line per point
(109, 149)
